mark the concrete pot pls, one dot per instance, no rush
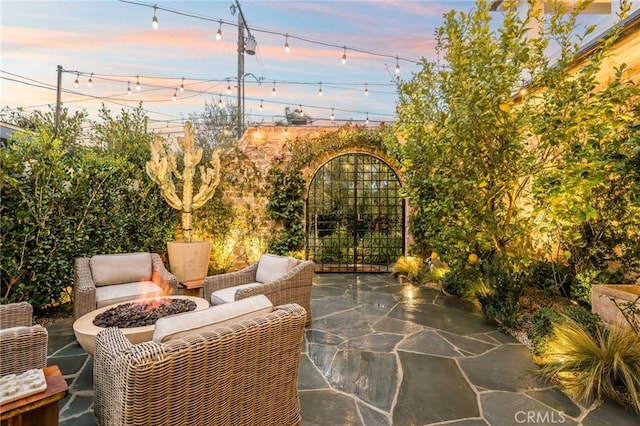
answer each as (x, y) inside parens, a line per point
(189, 261)
(605, 297)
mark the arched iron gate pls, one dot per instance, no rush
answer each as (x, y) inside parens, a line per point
(355, 216)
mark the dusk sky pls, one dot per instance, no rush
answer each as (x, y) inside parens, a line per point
(115, 41)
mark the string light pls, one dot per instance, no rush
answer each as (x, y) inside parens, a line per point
(366, 89)
(110, 77)
(306, 39)
(182, 85)
(219, 32)
(367, 121)
(333, 116)
(77, 83)
(175, 95)
(301, 112)
(137, 83)
(154, 21)
(90, 82)
(397, 66)
(320, 89)
(286, 44)
(273, 91)
(260, 104)
(228, 87)
(344, 55)
(220, 101)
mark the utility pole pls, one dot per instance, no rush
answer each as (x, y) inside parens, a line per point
(58, 101)
(240, 110)
(247, 45)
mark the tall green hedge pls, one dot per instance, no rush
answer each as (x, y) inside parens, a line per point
(64, 200)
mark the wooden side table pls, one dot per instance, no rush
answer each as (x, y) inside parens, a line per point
(193, 287)
(40, 409)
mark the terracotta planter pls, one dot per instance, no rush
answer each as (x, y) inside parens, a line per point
(189, 261)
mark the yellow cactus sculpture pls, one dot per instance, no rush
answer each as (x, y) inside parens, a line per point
(163, 165)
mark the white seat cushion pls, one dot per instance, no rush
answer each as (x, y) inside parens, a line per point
(177, 326)
(227, 295)
(108, 269)
(272, 267)
(112, 294)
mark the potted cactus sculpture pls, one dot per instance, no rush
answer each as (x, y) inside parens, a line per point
(188, 260)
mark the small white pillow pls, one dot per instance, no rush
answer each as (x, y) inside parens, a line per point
(177, 326)
(271, 267)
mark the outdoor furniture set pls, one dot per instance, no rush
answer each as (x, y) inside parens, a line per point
(233, 363)
(23, 351)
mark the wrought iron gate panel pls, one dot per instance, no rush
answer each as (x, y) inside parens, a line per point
(355, 216)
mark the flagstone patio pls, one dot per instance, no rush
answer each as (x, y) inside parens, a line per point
(380, 352)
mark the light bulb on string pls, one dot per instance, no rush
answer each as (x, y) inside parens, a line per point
(286, 43)
(77, 82)
(137, 83)
(367, 121)
(273, 91)
(90, 82)
(182, 85)
(333, 116)
(397, 66)
(219, 32)
(128, 87)
(366, 90)
(320, 89)
(344, 55)
(260, 104)
(228, 87)
(175, 95)
(220, 101)
(301, 112)
(154, 21)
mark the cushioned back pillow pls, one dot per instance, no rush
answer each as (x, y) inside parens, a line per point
(177, 326)
(272, 267)
(108, 269)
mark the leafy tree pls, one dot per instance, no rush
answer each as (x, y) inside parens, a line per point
(62, 200)
(213, 126)
(490, 169)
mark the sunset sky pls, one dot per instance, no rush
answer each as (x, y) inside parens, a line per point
(115, 41)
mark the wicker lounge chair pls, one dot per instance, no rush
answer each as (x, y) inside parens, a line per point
(115, 278)
(293, 286)
(23, 346)
(243, 373)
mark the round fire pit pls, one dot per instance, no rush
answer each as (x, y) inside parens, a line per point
(86, 331)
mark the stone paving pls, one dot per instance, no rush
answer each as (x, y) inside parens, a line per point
(379, 352)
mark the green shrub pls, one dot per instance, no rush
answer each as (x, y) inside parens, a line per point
(580, 290)
(552, 277)
(541, 328)
(61, 202)
(584, 317)
(458, 281)
(546, 318)
(380, 248)
(501, 301)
